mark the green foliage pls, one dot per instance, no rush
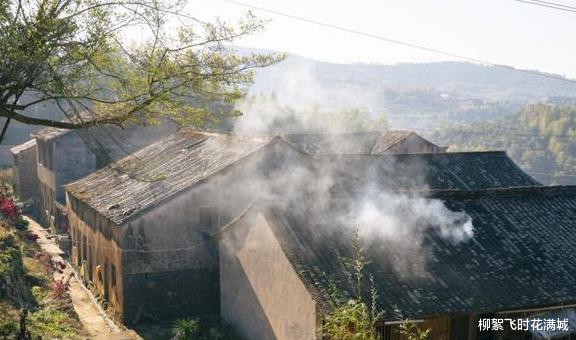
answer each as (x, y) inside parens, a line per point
(540, 138)
(51, 321)
(8, 329)
(354, 319)
(185, 329)
(75, 55)
(21, 223)
(410, 329)
(351, 320)
(357, 319)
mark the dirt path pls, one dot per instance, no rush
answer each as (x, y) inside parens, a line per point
(94, 319)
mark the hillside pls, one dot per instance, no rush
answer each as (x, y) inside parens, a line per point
(540, 138)
(410, 95)
(457, 78)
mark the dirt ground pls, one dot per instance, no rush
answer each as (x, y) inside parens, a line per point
(92, 317)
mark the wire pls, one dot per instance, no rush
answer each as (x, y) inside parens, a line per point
(549, 5)
(399, 42)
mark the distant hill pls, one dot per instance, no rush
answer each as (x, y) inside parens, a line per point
(410, 95)
(469, 80)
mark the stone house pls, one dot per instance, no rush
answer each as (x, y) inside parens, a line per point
(25, 178)
(66, 155)
(143, 229)
(281, 260)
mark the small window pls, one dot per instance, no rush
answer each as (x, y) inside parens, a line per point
(84, 249)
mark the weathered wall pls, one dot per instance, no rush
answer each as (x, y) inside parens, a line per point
(169, 253)
(47, 181)
(25, 181)
(72, 160)
(170, 262)
(95, 243)
(171, 257)
(260, 293)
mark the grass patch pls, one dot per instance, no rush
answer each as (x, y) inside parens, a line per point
(48, 317)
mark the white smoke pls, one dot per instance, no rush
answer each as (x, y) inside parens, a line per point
(290, 97)
(300, 101)
(397, 217)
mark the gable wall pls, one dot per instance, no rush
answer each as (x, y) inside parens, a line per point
(261, 294)
(26, 184)
(415, 144)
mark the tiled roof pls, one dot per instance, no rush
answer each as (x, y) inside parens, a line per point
(452, 170)
(135, 183)
(522, 254)
(348, 143)
(49, 133)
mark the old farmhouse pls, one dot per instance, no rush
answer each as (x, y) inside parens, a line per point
(280, 262)
(143, 229)
(148, 221)
(65, 155)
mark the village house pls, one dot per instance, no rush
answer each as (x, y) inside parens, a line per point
(66, 155)
(280, 262)
(25, 177)
(386, 142)
(143, 229)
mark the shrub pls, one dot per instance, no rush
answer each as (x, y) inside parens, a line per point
(8, 208)
(60, 288)
(46, 261)
(50, 322)
(21, 223)
(185, 329)
(8, 329)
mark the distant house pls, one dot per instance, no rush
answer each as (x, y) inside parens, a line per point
(387, 142)
(143, 229)
(280, 261)
(25, 178)
(67, 155)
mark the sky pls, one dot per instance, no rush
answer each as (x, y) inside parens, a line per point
(500, 31)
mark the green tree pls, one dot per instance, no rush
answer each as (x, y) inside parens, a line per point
(77, 54)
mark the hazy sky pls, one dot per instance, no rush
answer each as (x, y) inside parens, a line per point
(501, 31)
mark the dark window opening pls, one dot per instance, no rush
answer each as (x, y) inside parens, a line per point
(113, 276)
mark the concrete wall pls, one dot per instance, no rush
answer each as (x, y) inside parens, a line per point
(25, 181)
(260, 293)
